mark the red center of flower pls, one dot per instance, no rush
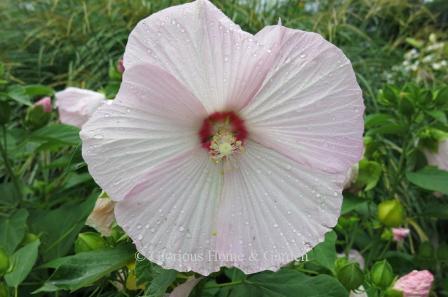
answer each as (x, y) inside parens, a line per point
(222, 134)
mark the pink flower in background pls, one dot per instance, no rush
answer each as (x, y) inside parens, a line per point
(439, 158)
(76, 105)
(415, 283)
(400, 233)
(224, 148)
(45, 103)
(120, 65)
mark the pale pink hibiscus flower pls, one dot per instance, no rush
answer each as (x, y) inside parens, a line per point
(415, 284)
(224, 148)
(75, 105)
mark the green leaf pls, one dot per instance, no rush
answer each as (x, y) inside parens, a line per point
(287, 283)
(161, 282)
(22, 262)
(325, 252)
(83, 269)
(38, 90)
(59, 227)
(12, 230)
(18, 93)
(56, 134)
(430, 178)
(351, 203)
(438, 115)
(435, 210)
(369, 174)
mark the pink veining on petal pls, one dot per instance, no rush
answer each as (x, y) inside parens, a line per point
(310, 106)
(205, 51)
(153, 119)
(415, 283)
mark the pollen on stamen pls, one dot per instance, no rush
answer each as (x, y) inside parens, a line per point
(223, 135)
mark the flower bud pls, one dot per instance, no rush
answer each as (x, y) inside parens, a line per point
(4, 262)
(45, 103)
(5, 112)
(29, 237)
(102, 216)
(391, 213)
(382, 274)
(400, 233)
(415, 284)
(37, 116)
(349, 274)
(89, 241)
(120, 65)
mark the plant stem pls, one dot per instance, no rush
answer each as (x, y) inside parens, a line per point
(3, 151)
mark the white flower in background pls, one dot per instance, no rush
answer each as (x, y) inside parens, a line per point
(102, 216)
(224, 148)
(76, 105)
(440, 157)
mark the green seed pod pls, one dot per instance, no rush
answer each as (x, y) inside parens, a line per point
(4, 262)
(36, 117)
(382, 274)
(350, 275)
(391, 213)
(89, 241)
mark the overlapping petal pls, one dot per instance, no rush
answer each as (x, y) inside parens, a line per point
(171, 214)
(221, 64)
(310, 106)
(152, 120)
(274, 210)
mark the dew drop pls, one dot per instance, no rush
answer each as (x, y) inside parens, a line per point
(139, 227)
(140, 237)
(181, 228)
(302, 56)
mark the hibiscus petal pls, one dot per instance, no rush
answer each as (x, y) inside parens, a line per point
(75, 105)
(221, 64)
(153, 119)
(310, 106)
(274, 210)
(171, 214)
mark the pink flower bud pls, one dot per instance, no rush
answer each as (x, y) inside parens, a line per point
(415, 283)
(45, 103)
(400, 233)
(120, 65)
